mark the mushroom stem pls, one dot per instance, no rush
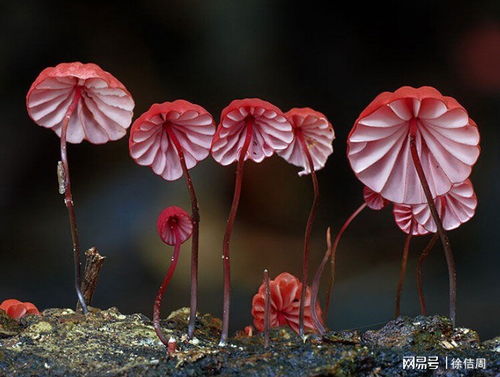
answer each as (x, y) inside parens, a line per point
(267, 309)
(452, 274)
(402, 271)
(163, 288)
(420, 282)
(307, 235)
(229, 230)
(65, 188)
(332, 253)
(195, 218)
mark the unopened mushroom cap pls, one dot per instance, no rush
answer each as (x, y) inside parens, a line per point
(151, 145)
(271, 131)
(174, 225)
(447, 142)
(318, 135)
(103, 113)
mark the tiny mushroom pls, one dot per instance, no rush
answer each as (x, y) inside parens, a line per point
(249, 129)
(310, 148)
(79, 102)
(285, 301)
(172, 138)
(174, 227)
(411, 146)
(16, 309)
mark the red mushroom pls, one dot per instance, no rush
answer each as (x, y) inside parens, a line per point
(285, 296)
(249, 129)
(174, 227)
(79, 102)
(371, 200)
(310, 148)
(411, 146)
(172, 138)
(16, 309)
(455, 208)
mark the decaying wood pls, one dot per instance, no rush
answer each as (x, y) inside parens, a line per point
(93, 265)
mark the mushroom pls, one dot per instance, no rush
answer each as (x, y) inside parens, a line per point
(16, 309)
(249, 129)
(371, 200)
(411, 146)
(285, 301)
(174, 227)
(310, 148)
(172, 138)
(79, 102)
(455, 208)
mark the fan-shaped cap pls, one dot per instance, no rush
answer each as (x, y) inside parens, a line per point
(318, 136)
(271, 131)
(447, 142)
(16, 309)
(174, 225)
(103, 113)
(373, 199)
(285, 303)
(151, 143)
(405, 218)
(456, 207)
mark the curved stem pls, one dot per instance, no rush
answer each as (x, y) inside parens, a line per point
(420, 282)
(161, 292)
(65, 188)
(333, 255)
(267, 309)
(402, 271)
(307, 235)
(195, 218)
(229, 230)
(452, 274)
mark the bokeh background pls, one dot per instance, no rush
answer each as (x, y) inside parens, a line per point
(335, 59)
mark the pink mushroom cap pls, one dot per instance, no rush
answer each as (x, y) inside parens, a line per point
(271, 131)
(151, 145)
(318, 135)
(103, 113)
(447, 142)
(16, 309)
(174, 225)
(373, 199)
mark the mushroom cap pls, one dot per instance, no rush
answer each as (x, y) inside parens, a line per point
(318, 135)
(285, 304)
(379, 149)
(17, 309)
(373, 199)
(404, 217)
(271, 131)
(103, 113)
(174, 225)
(150, 144)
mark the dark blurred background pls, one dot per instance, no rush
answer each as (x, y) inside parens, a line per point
(335, 59)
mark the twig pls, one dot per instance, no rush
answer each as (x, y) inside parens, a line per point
(93, 265)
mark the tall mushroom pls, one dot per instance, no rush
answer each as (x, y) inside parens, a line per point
(174, 227)
(249, 129)
(310, 148)
(79, 102)
(371, 200)
(172, 138)
(411, 146)
(455, 208)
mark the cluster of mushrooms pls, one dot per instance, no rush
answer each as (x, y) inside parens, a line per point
(414, 148)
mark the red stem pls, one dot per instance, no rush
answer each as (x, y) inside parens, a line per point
(68, 198)
(402, 271)
(333, 255)
(267, 309)
(229, 230)
(452, 274)
(161, 292)
(195, 218)
(420, 282)
(307, 235)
